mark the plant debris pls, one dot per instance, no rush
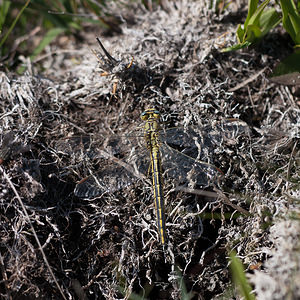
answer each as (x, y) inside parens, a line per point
(107, 247)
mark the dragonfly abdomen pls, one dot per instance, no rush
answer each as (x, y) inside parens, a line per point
(151, 133)
(158, 193)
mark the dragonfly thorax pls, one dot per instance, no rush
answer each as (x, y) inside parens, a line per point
(151, 128)
(150, 113)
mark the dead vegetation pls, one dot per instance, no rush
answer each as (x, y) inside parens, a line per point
(107, 248)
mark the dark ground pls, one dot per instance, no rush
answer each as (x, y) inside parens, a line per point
(248, 128)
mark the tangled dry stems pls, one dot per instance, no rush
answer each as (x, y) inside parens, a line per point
(96, 246)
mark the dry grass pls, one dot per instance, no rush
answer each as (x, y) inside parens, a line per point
(96, 246)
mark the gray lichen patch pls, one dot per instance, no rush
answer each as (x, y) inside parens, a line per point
(280, 277)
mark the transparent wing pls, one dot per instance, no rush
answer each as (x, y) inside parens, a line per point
(187, 171)
(188, 154)
(187, 157)
(109, 180)
(117, 173)
(120, 162)
(181, 152)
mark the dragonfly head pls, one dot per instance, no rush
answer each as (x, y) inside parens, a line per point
(150, 113)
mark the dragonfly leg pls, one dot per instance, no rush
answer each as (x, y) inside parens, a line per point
(149, 170)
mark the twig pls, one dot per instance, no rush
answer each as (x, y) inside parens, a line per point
(252, 78)
(196, 192)
(217, 194)
(228, 202)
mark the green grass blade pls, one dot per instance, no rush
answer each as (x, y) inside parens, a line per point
(287, 72)
(236, 47)
(48, 38)
(258, 23)
(269, 19)
(252, 7)
(240, 32)
(295, 21)
(13, 24)
(185, 295)
(290, 19)
(253, 33)
(95, 7)
(3, 12)
(239, 277)
(255, 19)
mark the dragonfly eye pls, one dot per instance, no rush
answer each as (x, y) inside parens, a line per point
(144, 116)
(156, 114)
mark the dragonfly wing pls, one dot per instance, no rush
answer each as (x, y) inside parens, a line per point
(201, 142)
(188, 153)
(194, 142)
(77, 146)
(185, 153)
(119, 157)
(186, 170)
(117, 173)
(109, 180)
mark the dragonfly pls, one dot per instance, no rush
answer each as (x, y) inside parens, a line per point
(183, 154)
